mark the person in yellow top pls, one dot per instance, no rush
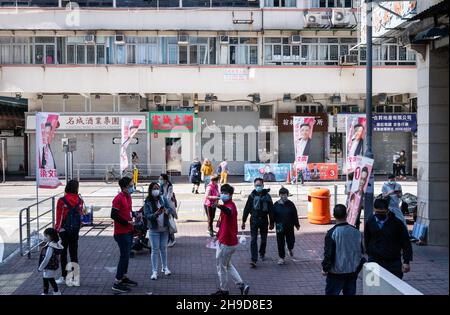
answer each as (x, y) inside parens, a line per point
(206, 170)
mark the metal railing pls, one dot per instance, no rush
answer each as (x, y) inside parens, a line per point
(107, 170)
(31, 243)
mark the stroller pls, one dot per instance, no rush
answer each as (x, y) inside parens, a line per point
(140, 240)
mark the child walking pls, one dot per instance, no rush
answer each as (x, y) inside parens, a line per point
(49, 260)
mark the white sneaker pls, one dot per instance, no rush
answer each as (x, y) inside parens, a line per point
(167, 272)
(57, 293)
(61, 280)
(76, 283)
(154, 275)
(281, 261)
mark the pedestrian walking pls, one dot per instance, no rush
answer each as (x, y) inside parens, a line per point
(386, 240)
(285, 217)
(395, 166)
(402, 164)
(224, 171)
(166, 190)
(206, 170)
(121, 213)
(343, 255)
(195, 175)
(392, 191)
(157, 211)
(259, 206)
(49, 260)
(227, 243)
(212, 196)
(69, 210)
(134, 163)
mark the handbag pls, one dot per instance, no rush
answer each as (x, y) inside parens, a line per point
(172, 225)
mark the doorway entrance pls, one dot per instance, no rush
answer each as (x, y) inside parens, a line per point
(173, 156)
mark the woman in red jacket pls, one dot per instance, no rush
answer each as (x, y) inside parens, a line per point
(68, 222)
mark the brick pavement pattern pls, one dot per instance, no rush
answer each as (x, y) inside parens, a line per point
(194, 272)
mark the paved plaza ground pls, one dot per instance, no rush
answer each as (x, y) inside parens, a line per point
(192, 264)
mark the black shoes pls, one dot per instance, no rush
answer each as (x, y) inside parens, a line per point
(262, 257)
(253, 264)
(131, 283)
(119, 287)
(244, 289)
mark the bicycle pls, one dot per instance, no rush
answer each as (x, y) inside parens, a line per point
(111, 176)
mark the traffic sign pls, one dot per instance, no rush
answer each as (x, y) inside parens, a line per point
(118, 140)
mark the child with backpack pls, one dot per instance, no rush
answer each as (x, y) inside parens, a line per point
(69, 210)
(49, 260)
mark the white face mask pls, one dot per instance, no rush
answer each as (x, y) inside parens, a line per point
(155, 192)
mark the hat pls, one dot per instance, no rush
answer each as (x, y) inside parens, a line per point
(283, 191)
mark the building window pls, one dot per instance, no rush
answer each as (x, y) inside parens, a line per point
(330, 3)
(223, 108)
(243, 50)
(278, 51)
(265, 111)
(280, 3)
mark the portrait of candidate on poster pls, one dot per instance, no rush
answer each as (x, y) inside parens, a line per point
(356, 132)
(303, 131)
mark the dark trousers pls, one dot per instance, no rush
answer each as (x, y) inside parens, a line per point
(402, 170)
(261, 225)
(124, 241)
(395, 169)
(51, 281)
(394, 267)
(171, 237)
(211, 214)
(70, 242)
(337, 283)
(285, 237)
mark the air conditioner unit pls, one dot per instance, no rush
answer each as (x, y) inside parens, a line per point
(296, 39)
(401, 98)
(187, 103)
(335, 99)
(340, 17)
(159, 99)
(315, 19)
(89, 39)
(224, 39)
(382, 98)
(119, 39)
(348, 60)
(183, 39)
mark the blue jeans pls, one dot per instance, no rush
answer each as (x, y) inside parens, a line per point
(207, 180)
(341, 282)
(159, 248)
(124, 241)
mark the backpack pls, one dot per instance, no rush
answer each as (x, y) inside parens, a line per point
(53, 264)
(72, 223)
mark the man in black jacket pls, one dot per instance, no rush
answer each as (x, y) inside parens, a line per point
(386, 239)
(259, 205)
(343, 255)
(285, 217)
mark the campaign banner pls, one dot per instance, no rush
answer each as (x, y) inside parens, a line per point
(303, 131)
(321, 171)
(361, 176)
(129, 129)
(171, 122)
(272, 172)
(356, 133)
(46, 170)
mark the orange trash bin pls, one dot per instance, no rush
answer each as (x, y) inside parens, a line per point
(319, 206)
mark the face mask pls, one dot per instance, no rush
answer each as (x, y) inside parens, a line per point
(259, 188)
(131, 190)
(224, 197)
(381, 216)
(161, 182)
(155, 192)
(391, 182)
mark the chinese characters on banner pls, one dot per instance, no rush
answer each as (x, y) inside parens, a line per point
(395, 122)
(303, 131)
(46, 171)
(167, 122)
(356, 132)
(130, 127)
(363, 168)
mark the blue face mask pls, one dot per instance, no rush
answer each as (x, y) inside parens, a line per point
(224, 197)
(258, 188)
(131, 190)
(161, 182)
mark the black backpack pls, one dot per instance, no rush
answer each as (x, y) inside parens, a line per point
(53, 264)
(73, 217)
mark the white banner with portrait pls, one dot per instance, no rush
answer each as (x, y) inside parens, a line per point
(129, 129)
(46, 170)
(355, 135)
(303, 131)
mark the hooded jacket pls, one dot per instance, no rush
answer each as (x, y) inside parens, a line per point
(49, 251)
(259, 210)
(62, 209)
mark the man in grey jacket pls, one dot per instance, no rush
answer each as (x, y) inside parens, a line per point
(343, 255)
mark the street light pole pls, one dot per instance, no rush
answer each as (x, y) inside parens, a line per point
(368, 198)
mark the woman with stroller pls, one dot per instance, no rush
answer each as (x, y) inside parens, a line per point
(157, 211)
(166, 189)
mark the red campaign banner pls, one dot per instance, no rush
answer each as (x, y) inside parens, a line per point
(323, 171)
(171, 121)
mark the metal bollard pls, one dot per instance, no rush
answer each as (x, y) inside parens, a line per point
(335, 194)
